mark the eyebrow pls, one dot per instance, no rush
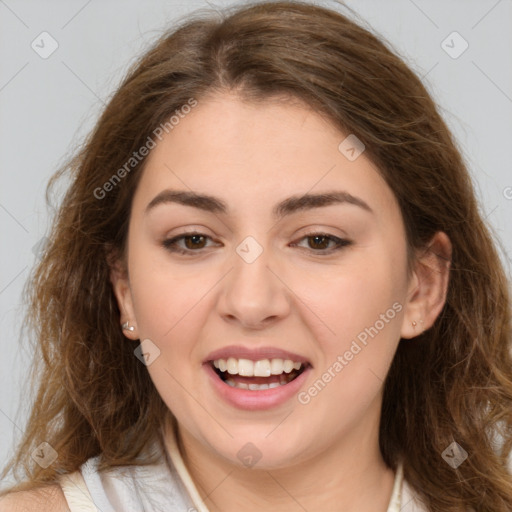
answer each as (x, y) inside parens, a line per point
(286, 207)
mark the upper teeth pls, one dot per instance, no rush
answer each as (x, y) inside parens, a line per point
(261, 368)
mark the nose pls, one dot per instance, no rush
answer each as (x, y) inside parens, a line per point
(254, 294)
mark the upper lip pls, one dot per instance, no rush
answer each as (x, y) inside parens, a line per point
(254, 354)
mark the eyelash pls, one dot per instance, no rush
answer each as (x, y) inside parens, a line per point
(171, 246)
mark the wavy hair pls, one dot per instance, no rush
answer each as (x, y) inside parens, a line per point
(451, 383)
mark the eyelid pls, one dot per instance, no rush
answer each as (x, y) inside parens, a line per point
(340, 242)
(170, 244)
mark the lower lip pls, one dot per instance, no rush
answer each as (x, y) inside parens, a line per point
(256, 400)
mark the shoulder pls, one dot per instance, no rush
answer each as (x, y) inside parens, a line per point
(49, 498)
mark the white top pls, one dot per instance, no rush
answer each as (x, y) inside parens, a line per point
(166, 486)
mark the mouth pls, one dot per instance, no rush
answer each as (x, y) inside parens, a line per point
(257, 375)
(256, 378)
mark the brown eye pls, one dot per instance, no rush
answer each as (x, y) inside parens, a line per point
(193, 242)
(319, 243)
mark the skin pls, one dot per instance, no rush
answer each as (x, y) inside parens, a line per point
(323, 455)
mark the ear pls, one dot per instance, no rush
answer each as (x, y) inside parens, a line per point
(122, 291)
(428, 286)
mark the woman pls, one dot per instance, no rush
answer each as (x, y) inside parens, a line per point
(269, 287)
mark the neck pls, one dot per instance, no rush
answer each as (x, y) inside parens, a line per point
(350, 476)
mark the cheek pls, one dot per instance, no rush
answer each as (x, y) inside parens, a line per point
(354, 296)
(364, 314)
(165, 300)
(170, 308)
(361, 306)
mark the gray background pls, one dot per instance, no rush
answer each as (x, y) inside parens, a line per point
(48, 105)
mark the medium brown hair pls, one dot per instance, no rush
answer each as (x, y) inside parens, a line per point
(451, 383)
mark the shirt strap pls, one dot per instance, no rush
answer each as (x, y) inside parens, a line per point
(77, 495)
(171, 442)
(395, 503)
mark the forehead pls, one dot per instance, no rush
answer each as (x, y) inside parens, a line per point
(257, 154)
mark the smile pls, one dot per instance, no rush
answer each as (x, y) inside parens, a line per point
(257, 375)
(256, 378)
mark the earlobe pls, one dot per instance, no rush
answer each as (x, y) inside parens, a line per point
(122, 291)
(127, 327)
(428, 288)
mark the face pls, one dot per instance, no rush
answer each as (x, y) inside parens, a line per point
(300, 306)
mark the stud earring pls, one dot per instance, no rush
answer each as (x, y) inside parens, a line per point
(127, 327)
(414, 324)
